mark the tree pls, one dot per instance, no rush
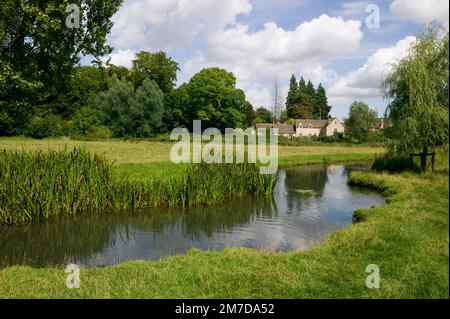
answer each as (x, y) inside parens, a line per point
(263, 115)
(132, 113)
(84, 85)
(213, 94)
(321, 109)
(148, 106)
(157, 67)
(292, 97)
(301, 100)
(39, 51)
(360, 120)
(249, 112)
(418, 88)
(302, 85)
(85, 119)
(303, 110)
(177, 112)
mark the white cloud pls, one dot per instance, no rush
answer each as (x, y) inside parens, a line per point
(168, 24)
(121, 58)
(364, 83)
(423, 11)
(259, 58)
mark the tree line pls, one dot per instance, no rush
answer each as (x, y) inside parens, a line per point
(45, 92)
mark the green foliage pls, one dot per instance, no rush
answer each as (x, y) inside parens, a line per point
(263, 115)
(293, 92)
(418, 88)
(99, 132)
(157, 67)
(85, 119)
(85, 84)
(48, 126)
(394, 163)
(250, 114)
(176, 108)
(335, 138)
(215, 100)
(38, 52)
(132, 113)
(305, 102)
(290, 121)
(321, 108)
(359, 122)
(16, 92)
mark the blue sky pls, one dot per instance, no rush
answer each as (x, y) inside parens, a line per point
(262, 41)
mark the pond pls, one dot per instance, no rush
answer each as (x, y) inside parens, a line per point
(309, 203)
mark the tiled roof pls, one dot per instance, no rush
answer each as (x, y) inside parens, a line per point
(282, 128)
(312, 123)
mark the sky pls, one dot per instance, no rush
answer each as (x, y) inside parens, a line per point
(336, 43)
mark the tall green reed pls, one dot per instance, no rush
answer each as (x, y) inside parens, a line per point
(35, 185)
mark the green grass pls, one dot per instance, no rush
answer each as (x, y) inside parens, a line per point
(408, 239)
(150, 159)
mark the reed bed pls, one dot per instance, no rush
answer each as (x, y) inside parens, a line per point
(40, 185)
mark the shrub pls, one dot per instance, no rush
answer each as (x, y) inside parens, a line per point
(85, 120)
(99, 132)
(48, 126)
(394, 163)
(336, 138)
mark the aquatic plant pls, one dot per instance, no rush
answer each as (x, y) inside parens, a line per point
(36, 185)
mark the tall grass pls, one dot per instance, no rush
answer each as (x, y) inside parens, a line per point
(394, 163)
(36, 185)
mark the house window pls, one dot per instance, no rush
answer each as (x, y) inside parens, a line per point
(335, 130)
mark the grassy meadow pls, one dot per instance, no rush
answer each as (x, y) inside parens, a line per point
(149, 159)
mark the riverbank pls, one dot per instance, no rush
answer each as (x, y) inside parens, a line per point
(407, 239)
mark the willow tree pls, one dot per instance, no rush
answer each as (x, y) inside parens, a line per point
(418, 90)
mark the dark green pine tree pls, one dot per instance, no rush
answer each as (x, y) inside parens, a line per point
(311, 98)
(322, 109)
(302, 85)
(292, 97)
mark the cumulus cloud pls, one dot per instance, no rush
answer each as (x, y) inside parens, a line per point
(169, 24)
(423, 11)
(364, 83)
(259, 58)
(121, 57)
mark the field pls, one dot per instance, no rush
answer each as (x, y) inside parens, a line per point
(407, 239)
(151, 159)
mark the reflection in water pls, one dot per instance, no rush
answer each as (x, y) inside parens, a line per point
(284, 221)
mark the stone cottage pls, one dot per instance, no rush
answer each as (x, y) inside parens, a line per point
(308, 128)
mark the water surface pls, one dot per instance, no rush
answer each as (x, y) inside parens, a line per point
(309, 203)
